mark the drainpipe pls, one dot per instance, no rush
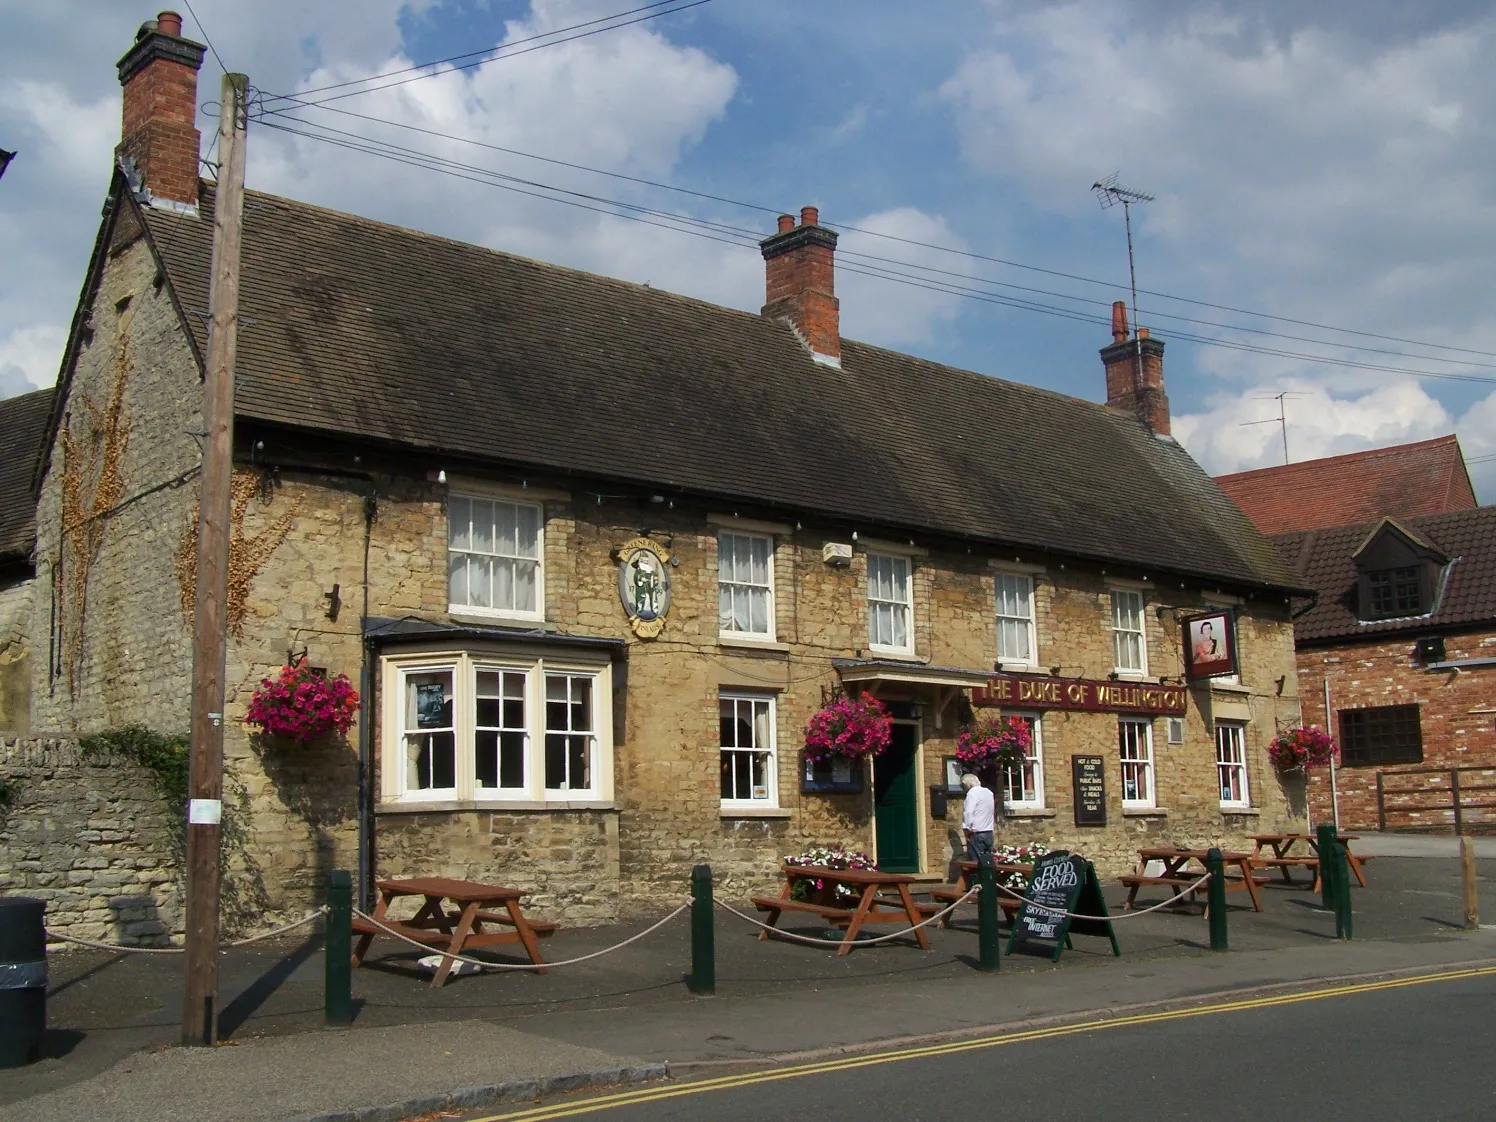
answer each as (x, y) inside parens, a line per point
(366, 734)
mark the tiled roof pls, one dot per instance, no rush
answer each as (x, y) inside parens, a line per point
(368, 330)
(23, 426)
(1403, 481)
(1323, 559)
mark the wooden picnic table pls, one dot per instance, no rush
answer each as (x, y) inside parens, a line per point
(475, 924)
(875, 904)
(1178, 875)
(967, 869)
(1281, 855)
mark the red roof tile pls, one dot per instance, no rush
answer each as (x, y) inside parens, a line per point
(1403, 481)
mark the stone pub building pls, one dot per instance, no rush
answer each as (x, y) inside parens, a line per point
(594, 553)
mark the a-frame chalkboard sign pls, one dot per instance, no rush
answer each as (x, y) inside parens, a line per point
(1064, 882)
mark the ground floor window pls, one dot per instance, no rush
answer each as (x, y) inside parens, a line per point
(1023, 787)
(747, 751)
(476, 725)
(1231, 763)
(1135, 741)
(1381, 734)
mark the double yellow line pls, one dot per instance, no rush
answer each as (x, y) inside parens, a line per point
(848, 1063)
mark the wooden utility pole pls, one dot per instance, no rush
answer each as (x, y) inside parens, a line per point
(205, 782)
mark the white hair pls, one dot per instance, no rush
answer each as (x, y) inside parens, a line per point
(968, 781)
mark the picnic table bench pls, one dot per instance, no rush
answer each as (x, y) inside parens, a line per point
(950, 893)
(453, 932)
(1280, 855)
(1176, 874)
(875, 902)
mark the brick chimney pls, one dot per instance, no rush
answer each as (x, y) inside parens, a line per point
(159, 141)
(800, 283)
(1126, 391)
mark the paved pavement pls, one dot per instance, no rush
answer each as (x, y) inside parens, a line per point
(774, 999)
(1420, 845)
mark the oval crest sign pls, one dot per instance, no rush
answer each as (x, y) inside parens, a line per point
(644, 585)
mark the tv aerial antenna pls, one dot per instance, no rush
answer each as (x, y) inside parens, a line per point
(1109, 193)
(1281, 420)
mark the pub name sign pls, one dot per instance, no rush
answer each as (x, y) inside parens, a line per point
(1027, 691)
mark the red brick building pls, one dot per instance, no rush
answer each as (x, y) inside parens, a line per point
(1400, 643)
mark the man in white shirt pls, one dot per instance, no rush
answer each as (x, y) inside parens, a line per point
(976, 818)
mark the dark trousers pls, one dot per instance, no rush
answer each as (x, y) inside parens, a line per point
(979, 845)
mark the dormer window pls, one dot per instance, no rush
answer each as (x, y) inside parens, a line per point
(1395, 592)
(1399, 574)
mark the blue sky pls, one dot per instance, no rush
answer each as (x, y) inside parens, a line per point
(1327, 162)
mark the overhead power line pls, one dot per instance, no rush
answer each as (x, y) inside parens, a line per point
(502, 50)
(863, 264)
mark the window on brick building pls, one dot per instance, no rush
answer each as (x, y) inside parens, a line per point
(1381, 734)
(1129, 641)
(494, 556)
(745, 585)
(1024, 786)
(749, 771)
(1231, 764)
(1015, 619)
(890, 604)
(1396, 592)
(475, 726)
(1135, 744)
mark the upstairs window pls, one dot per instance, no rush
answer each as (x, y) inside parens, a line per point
(1395, 592)
(1015, 619)
(1382, 734)
(745, 585)
(494, 556)
(1129, 642)
(890, 607)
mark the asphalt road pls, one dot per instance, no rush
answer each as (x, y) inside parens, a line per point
(1394, 1053)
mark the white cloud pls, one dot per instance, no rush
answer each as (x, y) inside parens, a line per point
(28, 358)
(897, 314)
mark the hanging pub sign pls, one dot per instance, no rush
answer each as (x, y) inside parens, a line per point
(1062, 882)
(1088, 776)
(1209, 644)
(644, 585)
(1035, 691)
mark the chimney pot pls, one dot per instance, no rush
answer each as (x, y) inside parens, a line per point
(1119, 321)
(800, 283)
(1142, 333)
(169, 23)
(786, 223)
(810, 216)
(159, 141)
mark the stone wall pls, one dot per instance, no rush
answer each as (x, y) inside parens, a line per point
(88, 834)
(1457, 711)
(16, 598)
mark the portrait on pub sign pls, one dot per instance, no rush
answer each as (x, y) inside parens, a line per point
(1209, 645)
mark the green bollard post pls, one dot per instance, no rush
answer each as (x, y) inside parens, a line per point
(1325, 848)
(703, 933)
(987, 937)
(1342, 893)
(337, 950)
(1215, 897)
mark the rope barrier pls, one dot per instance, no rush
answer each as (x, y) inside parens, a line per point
(859, 941)
(59, 937)
(1119, 916)
(486, 965)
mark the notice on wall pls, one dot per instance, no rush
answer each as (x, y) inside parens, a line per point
(1088, 776)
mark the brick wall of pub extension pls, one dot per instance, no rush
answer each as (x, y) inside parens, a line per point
(1457, 712)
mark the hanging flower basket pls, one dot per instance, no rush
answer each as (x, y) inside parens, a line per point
(854, 728)
(827, 857)
(303, 705)
(1301, 748)
(994, 742)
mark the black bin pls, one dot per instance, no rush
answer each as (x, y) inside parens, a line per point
(23, 979)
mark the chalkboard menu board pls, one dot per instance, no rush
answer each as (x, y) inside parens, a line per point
(1062, 882)
(1089, 776)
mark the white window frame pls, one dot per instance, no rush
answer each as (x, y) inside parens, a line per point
(1023, 581)
(1035, 762)
(547, 676)
(399, 760)
(723, 584)
(770, 801)
(456, 608)
(1141, 763)
(495, 666)
(465, 664)
(1119, 596)
(1232, 734)
(906, 605)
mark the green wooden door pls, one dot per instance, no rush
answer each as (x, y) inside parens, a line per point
(896, 803)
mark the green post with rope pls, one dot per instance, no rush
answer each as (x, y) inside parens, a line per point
(337, 950)
(987, 937)
(1325, 847)
(1342, 892)
(1215, 898)
(703, 935)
